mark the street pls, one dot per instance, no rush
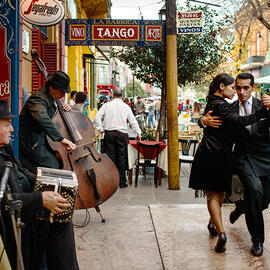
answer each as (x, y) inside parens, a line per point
(156, 229)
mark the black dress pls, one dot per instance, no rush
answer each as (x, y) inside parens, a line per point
(212, 166)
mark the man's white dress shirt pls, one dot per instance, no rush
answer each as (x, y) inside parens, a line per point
(246, 110)
(117, 115)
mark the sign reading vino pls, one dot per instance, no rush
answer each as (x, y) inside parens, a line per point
(107, 32)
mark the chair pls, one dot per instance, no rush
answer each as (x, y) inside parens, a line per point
(199, 135)
(187, 146)
(149, 158)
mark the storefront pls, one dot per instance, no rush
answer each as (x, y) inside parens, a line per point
(19, 76)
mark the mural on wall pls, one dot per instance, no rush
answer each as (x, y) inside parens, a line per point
(9, 59)
(6, 49)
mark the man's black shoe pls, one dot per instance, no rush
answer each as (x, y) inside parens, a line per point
(238, 211)
(123, 185)
(257, 249)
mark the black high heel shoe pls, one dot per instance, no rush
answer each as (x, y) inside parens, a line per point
(221, 242)
(212, 229)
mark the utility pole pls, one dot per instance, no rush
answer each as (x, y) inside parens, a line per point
(171, 83)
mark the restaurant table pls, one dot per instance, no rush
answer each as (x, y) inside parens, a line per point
(133, 155)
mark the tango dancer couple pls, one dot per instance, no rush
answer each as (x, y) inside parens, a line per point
(236, 138)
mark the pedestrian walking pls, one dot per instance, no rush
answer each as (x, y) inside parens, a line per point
(150, 116)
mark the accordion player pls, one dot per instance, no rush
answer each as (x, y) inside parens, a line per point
(62, 181)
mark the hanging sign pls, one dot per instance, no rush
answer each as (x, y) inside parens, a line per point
(189, 22)
(107, 32)
(5, 66)
(42, 12)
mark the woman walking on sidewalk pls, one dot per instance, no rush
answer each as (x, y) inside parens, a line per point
(211, 172)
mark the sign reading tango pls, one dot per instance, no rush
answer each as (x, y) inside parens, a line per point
(107, 32)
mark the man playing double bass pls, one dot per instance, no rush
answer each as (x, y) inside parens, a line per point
(56, 240)
(36, 123)
(21, 182)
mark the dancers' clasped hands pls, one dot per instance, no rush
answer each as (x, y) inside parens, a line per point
(266, 101)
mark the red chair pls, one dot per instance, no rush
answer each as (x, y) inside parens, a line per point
(147, 157)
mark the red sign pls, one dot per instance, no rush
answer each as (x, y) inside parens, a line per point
(116, 32)
(189, 15)
(77, 32)
(5, 67)
(153, 33)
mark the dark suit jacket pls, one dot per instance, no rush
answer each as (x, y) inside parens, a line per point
(252, 151)
(32, 202)
(35, 124)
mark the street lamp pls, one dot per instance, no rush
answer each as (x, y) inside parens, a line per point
(162, 13)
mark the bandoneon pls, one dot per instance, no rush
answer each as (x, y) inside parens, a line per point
(62, 181)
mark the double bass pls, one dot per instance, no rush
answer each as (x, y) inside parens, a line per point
(97, 175)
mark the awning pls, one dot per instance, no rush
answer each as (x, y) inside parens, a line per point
(96, 9)
(265, 79)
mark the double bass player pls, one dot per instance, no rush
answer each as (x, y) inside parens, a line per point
(56, 240)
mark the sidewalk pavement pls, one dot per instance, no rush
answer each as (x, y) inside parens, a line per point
(156, 229)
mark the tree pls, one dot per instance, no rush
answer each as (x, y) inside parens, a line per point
(245, 17)
(138, 90)
(256, 9)
(198, 55)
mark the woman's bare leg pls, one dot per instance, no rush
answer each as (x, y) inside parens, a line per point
(214, 208)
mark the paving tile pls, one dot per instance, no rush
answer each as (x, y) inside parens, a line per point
(185, 243)
(125, 242)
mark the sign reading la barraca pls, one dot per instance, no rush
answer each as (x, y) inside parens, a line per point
(42, 12)
(107, 32)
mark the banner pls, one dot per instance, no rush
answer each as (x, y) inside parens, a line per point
(85, 32)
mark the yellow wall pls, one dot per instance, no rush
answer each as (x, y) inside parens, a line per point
(75, 65)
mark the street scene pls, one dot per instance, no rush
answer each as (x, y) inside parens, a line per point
(134, 135)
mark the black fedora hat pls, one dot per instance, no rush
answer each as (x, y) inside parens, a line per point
(4, 110)
(60, 80)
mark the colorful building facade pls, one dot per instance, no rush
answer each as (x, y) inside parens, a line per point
(18, 37)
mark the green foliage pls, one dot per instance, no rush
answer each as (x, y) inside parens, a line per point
(148, 134)
(138, 90)
(197, 55)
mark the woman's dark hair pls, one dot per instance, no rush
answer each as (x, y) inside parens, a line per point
(224, 78)
(245, 76)
(73, 93)
(80, 97)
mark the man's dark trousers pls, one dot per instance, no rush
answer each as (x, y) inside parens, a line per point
(257, 198)
(252, 164)
(115, 146)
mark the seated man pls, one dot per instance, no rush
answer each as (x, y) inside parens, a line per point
(21, 183)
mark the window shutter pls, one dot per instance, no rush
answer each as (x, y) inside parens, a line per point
(36, 44)
(50, 57)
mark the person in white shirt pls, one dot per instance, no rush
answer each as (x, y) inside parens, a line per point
(117, 115)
